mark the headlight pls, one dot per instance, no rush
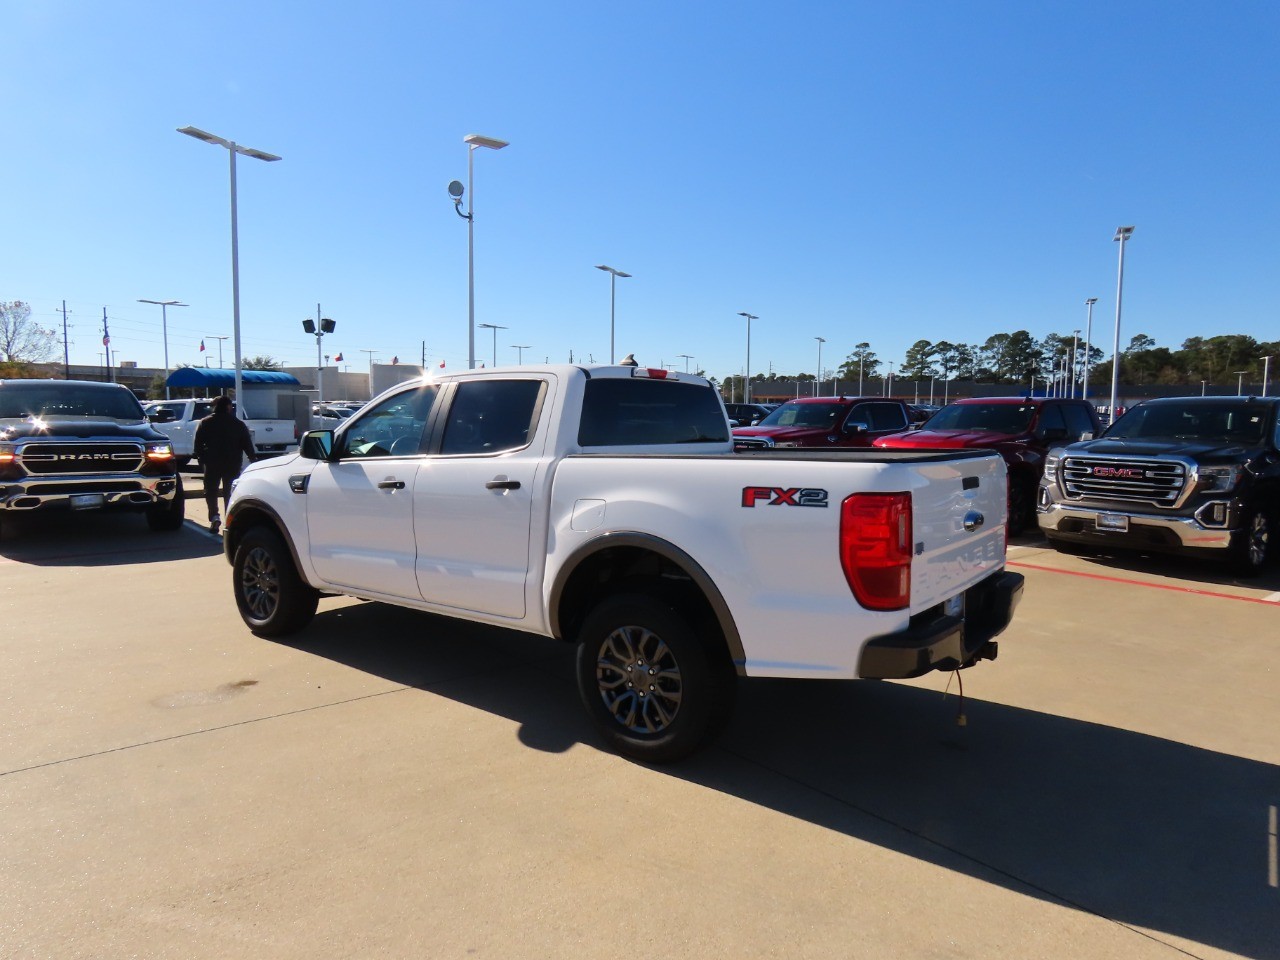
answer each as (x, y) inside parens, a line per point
(8, 453)
(1051, 467)
(1219, 478)
(162, 450)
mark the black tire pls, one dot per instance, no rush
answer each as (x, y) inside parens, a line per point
(634, 635)
(167, 517)
(1022, 506)
(272, 598)
(1254, 548)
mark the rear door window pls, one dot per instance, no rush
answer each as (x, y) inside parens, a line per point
(491, 416)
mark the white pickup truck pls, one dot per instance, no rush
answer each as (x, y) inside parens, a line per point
(604, 506)
(178, 419)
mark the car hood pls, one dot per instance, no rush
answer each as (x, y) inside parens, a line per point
(1194, 449)
(780, 433)
(57, 428)
(942, 439)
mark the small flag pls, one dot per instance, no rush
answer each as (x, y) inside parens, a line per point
(441, 364)
(338, 358)
(394, 361)
(202, 346)
(106, 337)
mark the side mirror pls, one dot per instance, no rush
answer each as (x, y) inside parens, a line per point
(1087, 435)
(917, 425)
(856, 427)
(1054, 433)
(317, 445)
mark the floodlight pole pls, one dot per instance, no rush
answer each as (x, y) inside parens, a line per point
(613, 280)
(1088, 336)
(164, 327)
(1266, 373)
(817, 381)
(1122, 237)
(746, 382)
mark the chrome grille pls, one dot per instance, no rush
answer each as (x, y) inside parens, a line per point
(57, 459)
(1124, 479)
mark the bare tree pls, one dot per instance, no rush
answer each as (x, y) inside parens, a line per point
(21, 339)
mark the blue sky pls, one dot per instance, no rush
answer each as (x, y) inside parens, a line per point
(883, 172)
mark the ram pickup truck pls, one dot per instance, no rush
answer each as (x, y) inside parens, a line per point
(604, 506)
(78, 445)
(178, 420)
(1020, 429)
(1197, 476)
(825, 422)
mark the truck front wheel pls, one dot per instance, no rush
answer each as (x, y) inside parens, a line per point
(1254, 547)
(650, 686)
(272, 598)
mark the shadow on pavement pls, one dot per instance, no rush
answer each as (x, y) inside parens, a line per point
(1189, 569)
(1144, 831)
(90, 539)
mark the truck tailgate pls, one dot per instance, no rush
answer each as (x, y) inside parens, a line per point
(959, 527)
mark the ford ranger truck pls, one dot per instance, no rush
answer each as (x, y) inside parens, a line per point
(79, 445)
(605, 507)
(1196, 476)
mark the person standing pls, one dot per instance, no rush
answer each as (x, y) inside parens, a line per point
(220, 440)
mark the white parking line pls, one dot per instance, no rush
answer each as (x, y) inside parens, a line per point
(1272, 598)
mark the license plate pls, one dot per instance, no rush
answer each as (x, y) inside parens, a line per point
(955, 606)
(86, 501)
(1115, 522)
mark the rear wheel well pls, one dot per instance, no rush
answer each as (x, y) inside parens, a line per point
(631, 569)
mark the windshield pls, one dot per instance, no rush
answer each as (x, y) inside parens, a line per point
(21, 400)
(990, 417)
(1221, 422)
(825, 415)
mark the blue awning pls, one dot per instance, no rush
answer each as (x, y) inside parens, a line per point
(218, 379)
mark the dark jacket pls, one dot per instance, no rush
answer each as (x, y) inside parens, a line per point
(220, 439)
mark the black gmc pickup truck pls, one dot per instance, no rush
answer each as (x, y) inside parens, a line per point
(73, 444)
(1198, 476)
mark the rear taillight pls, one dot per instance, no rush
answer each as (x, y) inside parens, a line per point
(875, 548)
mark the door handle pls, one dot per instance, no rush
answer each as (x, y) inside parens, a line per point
(390, 484)
(502, 485)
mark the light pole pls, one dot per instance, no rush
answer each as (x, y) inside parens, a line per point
(1266, 373)
(472, 140)
(888, 384)
(1122, 237)
(219, 339)
(862, 357)
(1075, 338)
(233, 148)
(522, 348)
(1088, 337)
(817, 383)
(495, 328)
(1240, 382)
(1202, 386)
(164, 328)
(746, 383)
(319, 327)
(686, 357)
(613, 282)
(371, 354)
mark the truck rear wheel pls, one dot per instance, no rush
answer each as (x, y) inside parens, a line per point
(1254, 547)
(650, 685)
(272, 598)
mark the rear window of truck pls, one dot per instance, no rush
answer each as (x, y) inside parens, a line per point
(634, 412)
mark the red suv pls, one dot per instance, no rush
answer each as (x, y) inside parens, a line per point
(825, 422)
(1021, 429)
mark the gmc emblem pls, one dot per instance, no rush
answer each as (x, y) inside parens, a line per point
(1119, 473)
(780, 497)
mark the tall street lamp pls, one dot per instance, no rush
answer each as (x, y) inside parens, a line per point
(233, 148)
(522, 348)
(818, 380)
(219, 339)
(746, 383)
(1240, 382)
(1266, 373)
(164, 328)
(686, 357)
(1122, 237)
(495, 328)
(472, 141)
(613, 281)
(1088, 337)
(319, 327)
(1203, 384)
(1075, 339)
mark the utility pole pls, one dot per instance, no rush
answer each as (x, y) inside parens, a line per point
(106, 346)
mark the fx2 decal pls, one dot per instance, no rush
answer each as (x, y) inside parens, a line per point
(780, 497)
